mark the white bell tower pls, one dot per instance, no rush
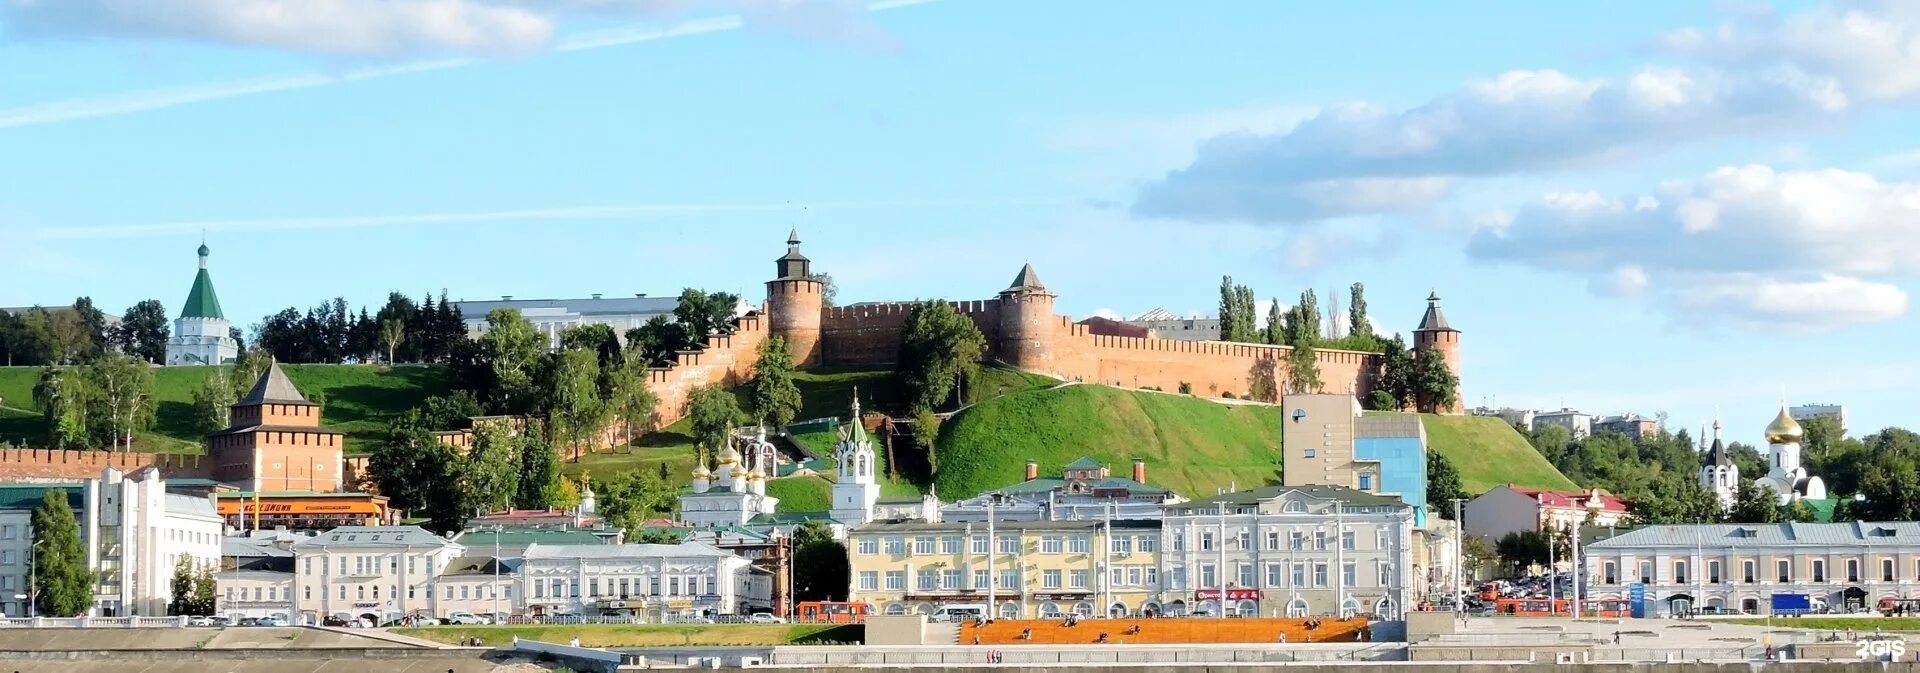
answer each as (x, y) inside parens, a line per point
(855, 490)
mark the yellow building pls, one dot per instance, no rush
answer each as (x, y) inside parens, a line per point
(1016, 569)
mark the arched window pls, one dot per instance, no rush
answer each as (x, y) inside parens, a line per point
(1049, 610)
(1297, 608)
(1083, 608)
(1295, 507)
(1349, 608)
(1116, 611)
(1247, 609)
(1009, 610)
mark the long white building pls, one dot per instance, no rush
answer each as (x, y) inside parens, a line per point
(133, 531)
(1739, 567)
(653, 581)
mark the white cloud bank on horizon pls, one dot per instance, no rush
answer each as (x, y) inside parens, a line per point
(1749, 245)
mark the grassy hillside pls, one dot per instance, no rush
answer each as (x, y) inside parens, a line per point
(359, 401)
(1489, 453)
(1191, 445)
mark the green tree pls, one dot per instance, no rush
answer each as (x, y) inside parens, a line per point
(1436, 389)
(575, 410)
(205, 588)
(212, 402)
(1521, 549)
(1230, 327)
(490, 472)
(62, 583)
(511, 349)
(122, 400)
(1357, 322)
(248, 365)
(939, 349)
(629, 399)
(1888, 482)
(598, 338)
(775, 398)
(188, 588)
(829, 290)
(1443, 484)
(926, 430)
(1397, 371)
(539, 471)
(143, 331)
(1276, 333)
(820, 568)
(1381, 400)
(1798, 511)
(393, 332)
(1263, 380)
(704, 314)
(1303, 321)
(634, 496)
(1752, 504)
(92, 325)
(1303, 368)
(659, 339)
(64, 399)
(714, 412)
(410, 467)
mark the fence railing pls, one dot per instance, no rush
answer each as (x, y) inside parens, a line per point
(92, 622)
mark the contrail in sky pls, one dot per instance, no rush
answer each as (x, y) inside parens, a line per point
(154, 99)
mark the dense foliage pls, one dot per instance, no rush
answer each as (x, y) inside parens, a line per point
(62, 585)
(820, 567)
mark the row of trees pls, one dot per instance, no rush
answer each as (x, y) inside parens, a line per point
(697, 315)
(1299, 327)
(78, 334)
(1413, 379)
(99, 404)
(401, 331)
(505, 467)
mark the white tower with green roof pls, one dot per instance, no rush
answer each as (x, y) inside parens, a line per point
(855, 489)
(200, 334)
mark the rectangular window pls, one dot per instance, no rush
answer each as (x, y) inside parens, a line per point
(1242, 540)
(1349, 574)
(9, 557)
(1609, 574)
(1853, 570)
(1713, 572)
(867, 546)
(1244, 573)
(593, 587)
(1366, 482)
(1297, 541)
(950, 544)
(1049, 579)
(1320, 540)
(1077, 544)
(1319, 574)
(1206, 540)
(1273, 574)
(1176, 578)
(950, 580)
(1310, 453)
(1077, 579)
(1010, 579)
(1117, 577)
(539, 590)
(869, 580)
(1009, 544)
(1383, 574)
(1121, 544)
(1886, 570)
(1149, 544)
(1299, 575)
(1151, 577)
(1819, 570)
(1747, 572)
(981, 545)
(1348, 541)
(1679, 572)
(1207, 578)
(1784, 569)
(923, 546)
(1050, 544)
(1134, 577)
(8, 532)
(928, 580)
(896, 580)
(980, 579)
(896, 546)
(1179, 542)
(1646, 572)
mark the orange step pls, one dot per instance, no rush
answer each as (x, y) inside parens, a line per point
(1168, 631)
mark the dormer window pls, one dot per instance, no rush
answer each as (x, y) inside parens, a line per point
(1294, 507)
(1881, 531)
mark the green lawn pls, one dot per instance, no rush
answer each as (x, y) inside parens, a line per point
(1490, 453)
(1192, 446)
(1858, 624)
(650, 635)
(359, 401)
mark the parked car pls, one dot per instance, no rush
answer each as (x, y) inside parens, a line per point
(249, 621)
(272, 621)
(467, 619)
(764, 618)
(199, 621)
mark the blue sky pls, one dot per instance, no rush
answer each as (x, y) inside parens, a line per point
(1677, 207)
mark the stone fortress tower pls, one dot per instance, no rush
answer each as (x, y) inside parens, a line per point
(1027, 322)
(794, 301)
(1435, 334)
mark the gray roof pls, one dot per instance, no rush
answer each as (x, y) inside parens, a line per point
(567, 551)
(1027, 280)
(251, 547)
(473, 310)
(1387, 426)
(1343, 494)
(275, 387)
(374, 536)
(1857, 533)
(482, 565)
(180, 503)
(1434, 320)
(999, 526)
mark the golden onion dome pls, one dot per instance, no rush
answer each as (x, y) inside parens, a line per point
(739, 472)
(1783, 429)
(700, 472)
(729, 455)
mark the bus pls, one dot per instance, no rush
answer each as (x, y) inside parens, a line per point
(830, 612)
(1541, 607)
(1899, 606)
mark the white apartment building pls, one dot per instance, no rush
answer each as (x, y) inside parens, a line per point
(1578, 424)
(1739, 567)
(132, 530)
(378, 573)
(653, 581)
(1290, 551)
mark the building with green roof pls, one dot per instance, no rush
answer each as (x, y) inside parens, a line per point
(1085, 489)
(202, 335)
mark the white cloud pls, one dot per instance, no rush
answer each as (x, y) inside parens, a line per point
(1748, 244)
(379, 27)
(1359, 159)
(1871, 46)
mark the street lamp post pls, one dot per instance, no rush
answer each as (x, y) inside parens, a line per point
(496, 572)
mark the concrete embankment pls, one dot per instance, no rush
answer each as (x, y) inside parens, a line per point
(1478, 667)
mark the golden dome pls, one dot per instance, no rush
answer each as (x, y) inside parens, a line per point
(1783, 429)
(700, 472)
(729, 455)
(739, 472)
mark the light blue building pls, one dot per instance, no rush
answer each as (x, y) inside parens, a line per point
(1397, 444)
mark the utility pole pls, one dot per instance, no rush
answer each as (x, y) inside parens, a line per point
(1459, 558)
(993, 579)
(1579, 564)
(496, 574)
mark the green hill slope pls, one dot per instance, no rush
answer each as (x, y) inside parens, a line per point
(1490, 453)
(1193, 446)
(359, 401)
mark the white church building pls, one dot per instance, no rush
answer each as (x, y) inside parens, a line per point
(1786, 477)
(201, 333)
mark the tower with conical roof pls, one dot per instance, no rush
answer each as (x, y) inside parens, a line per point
(1435, 336)
(201, 333)
(1027, 323)
(1719, 476)
(274, 441)
(855, 488)
(795, 298)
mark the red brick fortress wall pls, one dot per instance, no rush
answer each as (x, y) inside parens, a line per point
(868, 335)
(727, 359)
(1210, 368)
(17, 465)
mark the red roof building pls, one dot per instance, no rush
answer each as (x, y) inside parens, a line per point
(1508, 509)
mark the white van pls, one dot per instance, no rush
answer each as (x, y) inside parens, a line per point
(963, 612)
